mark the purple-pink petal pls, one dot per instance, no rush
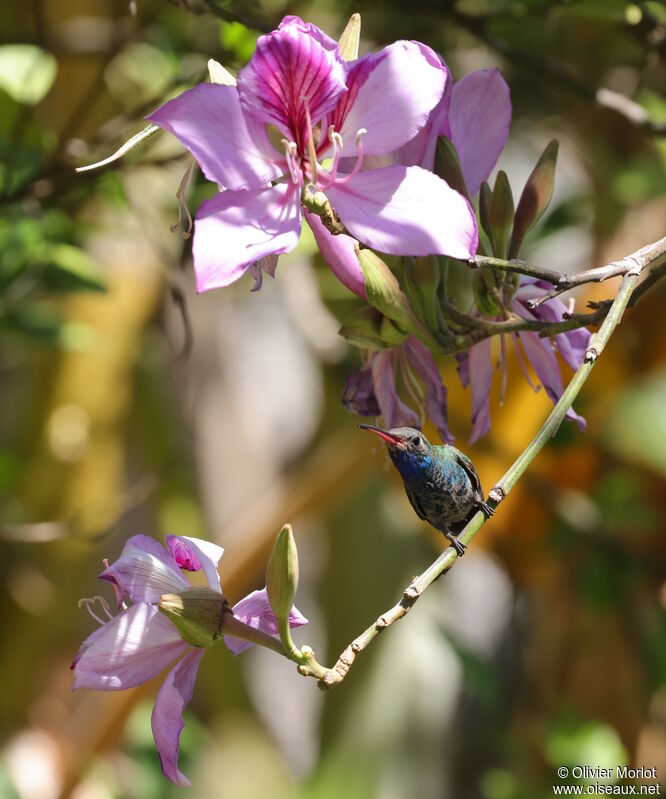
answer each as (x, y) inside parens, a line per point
(236, 228)
(406, 211)
(193, 554)
(421, 359)
(144, 571)
(394, 410)
(479, 116)
(540, 354)
(572, 344)
(391, 95)
(128, 650)
(291, 72)
(267, 264)
(358, 395)
(231, 150)
(255, 610)
(340, 254)
(167, 719)
(480, 380)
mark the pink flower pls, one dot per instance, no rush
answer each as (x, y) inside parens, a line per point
(476, 369)
(138, 643)
(474, 113)
(302, 120)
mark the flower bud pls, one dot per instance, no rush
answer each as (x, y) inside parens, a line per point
(282, 580)
(383, 289)
(501, 215)
(348, 44)
(535, 198)
(485, 203)
(447, 166)
(367, 328)
(422, 276)
(196, 613)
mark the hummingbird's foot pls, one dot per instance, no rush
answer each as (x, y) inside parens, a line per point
(485, 507)
(457, 545)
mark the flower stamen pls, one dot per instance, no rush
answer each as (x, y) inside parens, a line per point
(359, 158)
(312, 153)
(89, 602)
(522, 363)
(291, 154)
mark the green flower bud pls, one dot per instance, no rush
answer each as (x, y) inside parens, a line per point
(282, 580)
(368, 329)
(196, 613)
(351, 35)
(383, 290)
(447, 166)
(535, 198)
(501, 215)
(485, 204)
(422, 277)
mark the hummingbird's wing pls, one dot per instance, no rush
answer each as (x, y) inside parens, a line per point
(416, 504)
(469, 467)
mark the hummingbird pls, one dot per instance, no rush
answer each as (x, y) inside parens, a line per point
(441, 482)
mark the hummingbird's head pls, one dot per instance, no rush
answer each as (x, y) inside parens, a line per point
(402, 442)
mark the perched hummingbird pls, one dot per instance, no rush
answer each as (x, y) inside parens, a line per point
(441, 483)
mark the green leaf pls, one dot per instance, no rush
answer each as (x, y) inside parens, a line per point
(26, 72)
(69, 268)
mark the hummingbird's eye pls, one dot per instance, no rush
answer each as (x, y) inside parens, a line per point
(416, 440)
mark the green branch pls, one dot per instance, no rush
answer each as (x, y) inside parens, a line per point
(327, 678)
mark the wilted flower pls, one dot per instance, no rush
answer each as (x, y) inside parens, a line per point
(476, 368)
(168, 621)
(299, 123)
(372, 390)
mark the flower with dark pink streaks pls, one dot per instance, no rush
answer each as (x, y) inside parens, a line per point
(301, 120)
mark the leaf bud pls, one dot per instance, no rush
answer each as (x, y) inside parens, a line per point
(501, 215)
(383, 290)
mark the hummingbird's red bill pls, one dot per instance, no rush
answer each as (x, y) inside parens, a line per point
(384, 434)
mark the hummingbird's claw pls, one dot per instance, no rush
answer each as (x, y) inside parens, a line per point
(459, 547)
(485, 507)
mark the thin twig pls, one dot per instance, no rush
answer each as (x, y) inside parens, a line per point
(327, 678)
(563, 282)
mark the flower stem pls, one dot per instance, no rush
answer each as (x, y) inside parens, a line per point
(327, 678)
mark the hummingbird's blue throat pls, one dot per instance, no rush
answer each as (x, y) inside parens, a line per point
(410, 464)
